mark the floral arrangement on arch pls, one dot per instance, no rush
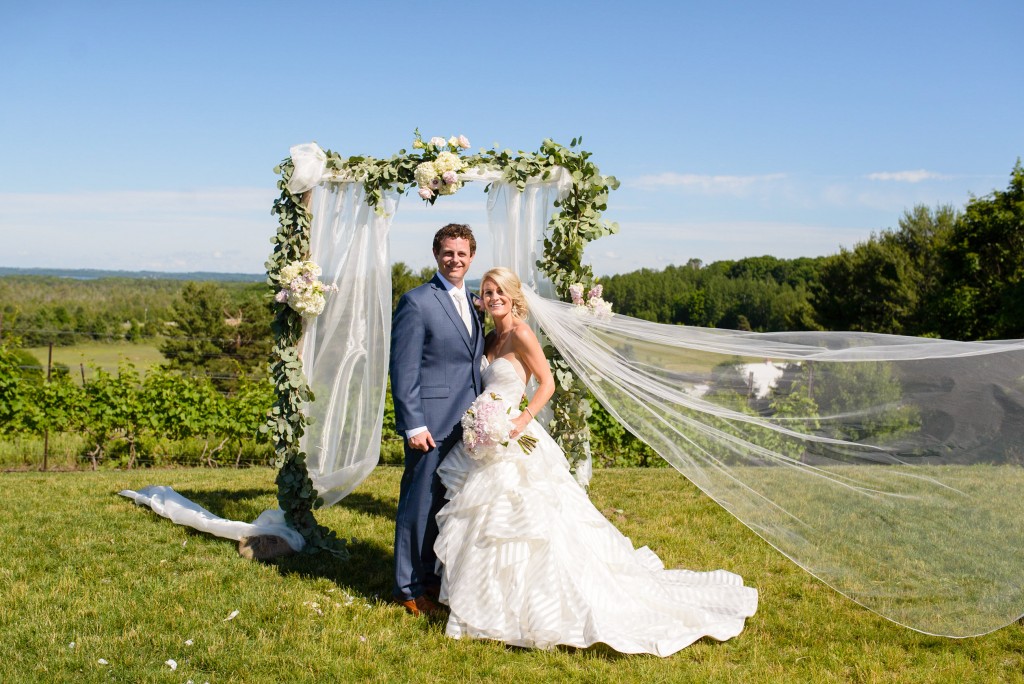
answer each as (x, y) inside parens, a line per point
(592, 304)
(302, 290)
(439, 175)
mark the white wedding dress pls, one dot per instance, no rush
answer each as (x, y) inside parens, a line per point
(525, 558)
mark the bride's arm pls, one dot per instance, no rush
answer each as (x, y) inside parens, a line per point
(531, 355)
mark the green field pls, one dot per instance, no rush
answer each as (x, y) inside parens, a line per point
(104, 355)
(83, 566)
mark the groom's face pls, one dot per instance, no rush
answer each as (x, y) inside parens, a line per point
(453, 260)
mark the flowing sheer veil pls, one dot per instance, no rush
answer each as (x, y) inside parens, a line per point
(886, 466)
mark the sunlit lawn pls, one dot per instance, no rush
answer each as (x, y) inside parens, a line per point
(86, 575)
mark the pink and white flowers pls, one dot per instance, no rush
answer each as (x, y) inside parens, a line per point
(438, 174)
(486, 426)
(593, 303)
(301, 288)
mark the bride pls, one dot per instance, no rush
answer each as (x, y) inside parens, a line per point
(524, 556)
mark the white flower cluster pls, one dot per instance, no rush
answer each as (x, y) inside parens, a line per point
(302, 290)
(439, 176)
(593, 304)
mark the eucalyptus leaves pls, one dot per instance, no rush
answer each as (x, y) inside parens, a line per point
(295, 492)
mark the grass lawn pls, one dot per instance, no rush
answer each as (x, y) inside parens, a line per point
(106, 355)
(86, 575)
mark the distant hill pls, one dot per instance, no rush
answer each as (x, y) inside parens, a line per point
(94, 274)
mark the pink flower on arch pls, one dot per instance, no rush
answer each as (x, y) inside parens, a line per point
(576, 292)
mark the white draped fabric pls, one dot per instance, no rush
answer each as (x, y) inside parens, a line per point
(517, 221)
(183, 511)
(345, 348)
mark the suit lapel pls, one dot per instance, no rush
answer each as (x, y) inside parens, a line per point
(445, 299)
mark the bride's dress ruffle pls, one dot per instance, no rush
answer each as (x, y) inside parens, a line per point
(528, 560)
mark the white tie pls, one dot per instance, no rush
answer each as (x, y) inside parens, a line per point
(460, 302)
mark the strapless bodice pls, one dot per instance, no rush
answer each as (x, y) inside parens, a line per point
(500, 376)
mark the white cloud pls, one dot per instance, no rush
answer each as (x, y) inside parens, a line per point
(708, 185)
(906, 176)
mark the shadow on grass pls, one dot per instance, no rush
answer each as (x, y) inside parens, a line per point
(366, 572)
(370, 505)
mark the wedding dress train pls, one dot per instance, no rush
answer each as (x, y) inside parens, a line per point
(527, 559)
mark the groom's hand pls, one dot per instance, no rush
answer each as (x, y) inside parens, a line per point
(422, 442)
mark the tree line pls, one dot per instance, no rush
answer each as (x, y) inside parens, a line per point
(957, 274)
(44, 309)
(942, 272)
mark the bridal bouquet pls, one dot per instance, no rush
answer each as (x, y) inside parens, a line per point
(302, 290)
(439, 174)
(487, 424)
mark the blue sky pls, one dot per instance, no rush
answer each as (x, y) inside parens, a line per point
(143, 135)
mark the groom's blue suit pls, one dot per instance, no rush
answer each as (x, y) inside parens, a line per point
(435, 376)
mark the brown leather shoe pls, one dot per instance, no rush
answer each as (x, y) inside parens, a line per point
(410, 606)
(433, 591)
(421, 605)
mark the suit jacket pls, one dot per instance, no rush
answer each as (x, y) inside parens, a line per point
(435, 363)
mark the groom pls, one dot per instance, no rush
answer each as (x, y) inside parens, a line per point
(436, 344)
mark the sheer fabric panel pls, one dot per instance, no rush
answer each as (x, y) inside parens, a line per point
(345, 349)
(518, 221)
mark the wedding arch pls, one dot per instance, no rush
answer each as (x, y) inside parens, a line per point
(889, 467)
(543, 208)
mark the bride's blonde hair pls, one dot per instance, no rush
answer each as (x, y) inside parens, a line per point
(509, 283)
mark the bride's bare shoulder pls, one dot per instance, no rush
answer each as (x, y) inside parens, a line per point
(522, 334)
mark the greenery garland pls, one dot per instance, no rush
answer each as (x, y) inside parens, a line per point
(286, 422)
(577, 222)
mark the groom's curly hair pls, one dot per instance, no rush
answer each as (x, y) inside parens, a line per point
(455, 230)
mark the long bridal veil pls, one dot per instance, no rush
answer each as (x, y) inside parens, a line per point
(888, 467)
